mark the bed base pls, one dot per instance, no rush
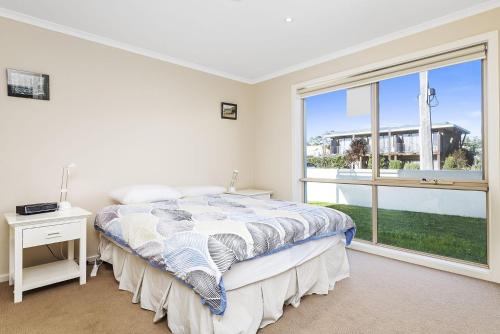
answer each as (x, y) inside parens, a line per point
(250, 307)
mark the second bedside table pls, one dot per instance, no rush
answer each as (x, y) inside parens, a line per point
(43, 229)
(255, 193)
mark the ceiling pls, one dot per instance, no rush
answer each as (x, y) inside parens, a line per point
(246, 40)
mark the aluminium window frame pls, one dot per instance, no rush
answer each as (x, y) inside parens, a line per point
(491, 161)
(377, 180)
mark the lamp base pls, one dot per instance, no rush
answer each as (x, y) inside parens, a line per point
(65, 205)
(231, 189)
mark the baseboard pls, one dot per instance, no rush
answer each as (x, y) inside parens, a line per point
(5, 277)
(92, 257)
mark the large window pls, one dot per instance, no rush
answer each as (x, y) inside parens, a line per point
(421, 185)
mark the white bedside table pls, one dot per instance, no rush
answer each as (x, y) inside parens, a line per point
(42, 229)
(255, 193)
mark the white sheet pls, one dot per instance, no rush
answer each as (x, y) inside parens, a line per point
(258, 269)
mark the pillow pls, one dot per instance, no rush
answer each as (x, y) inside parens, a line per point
(144, 194)
(200, 190)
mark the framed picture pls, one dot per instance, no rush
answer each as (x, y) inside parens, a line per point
(28, 85)
(228, 110)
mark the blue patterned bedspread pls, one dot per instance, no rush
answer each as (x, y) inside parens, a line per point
(198, 238)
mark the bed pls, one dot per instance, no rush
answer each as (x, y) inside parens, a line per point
(223, 263)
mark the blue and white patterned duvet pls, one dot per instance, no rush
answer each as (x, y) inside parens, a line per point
(198, 238)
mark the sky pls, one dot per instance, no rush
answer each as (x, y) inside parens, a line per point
(458, 90)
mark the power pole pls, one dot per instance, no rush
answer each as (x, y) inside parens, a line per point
(426, 161)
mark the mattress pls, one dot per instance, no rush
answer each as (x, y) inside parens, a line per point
(254, 270)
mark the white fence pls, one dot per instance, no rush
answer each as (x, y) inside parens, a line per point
(440, 201)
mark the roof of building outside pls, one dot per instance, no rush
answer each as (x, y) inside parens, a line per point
(405, 128)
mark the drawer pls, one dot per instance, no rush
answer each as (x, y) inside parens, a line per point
(49, 234)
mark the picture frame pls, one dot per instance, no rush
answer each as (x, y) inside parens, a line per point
(28, 85)
(228, 111)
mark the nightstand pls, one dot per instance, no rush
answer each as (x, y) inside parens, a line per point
(43, 229)
(255, 193)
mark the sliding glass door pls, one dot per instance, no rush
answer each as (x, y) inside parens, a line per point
(421, 185)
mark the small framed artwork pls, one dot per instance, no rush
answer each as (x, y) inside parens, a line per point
(228, 110)
(27, 85)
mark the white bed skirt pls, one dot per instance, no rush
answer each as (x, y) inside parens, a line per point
(249, 308)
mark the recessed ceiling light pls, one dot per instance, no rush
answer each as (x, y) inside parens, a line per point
(288, 20)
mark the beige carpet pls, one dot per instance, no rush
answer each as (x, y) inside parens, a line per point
(382, 296)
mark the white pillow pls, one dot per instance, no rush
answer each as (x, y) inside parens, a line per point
(145, 193)
(200, 190)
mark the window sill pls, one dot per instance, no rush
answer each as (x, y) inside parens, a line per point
(426, 261)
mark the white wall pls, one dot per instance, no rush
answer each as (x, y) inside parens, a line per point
(121, 117)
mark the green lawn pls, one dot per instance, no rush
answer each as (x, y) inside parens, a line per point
(458, 237)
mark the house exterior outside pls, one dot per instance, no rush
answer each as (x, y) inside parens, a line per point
(316, 150)
(403, 143)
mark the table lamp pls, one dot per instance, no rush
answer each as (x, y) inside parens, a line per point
(63, 197)
(234, 178)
